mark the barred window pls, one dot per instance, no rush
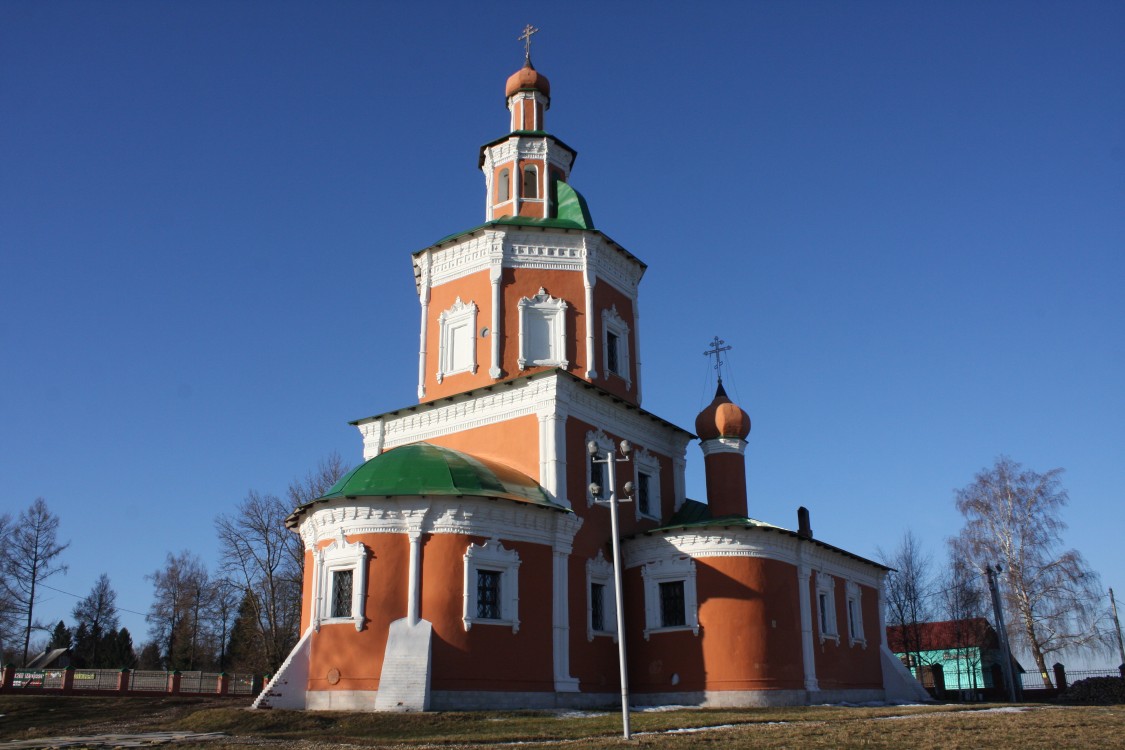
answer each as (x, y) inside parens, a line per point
(342, 593)
(488, 594)
(643, 503)
(672, 604)
(597, 606)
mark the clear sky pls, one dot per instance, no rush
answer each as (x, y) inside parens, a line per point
(906, 217)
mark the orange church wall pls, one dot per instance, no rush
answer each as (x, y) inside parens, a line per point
(750, 632)
(472, 288)
(358, 656)
(843, 665)
(514, 443)
(606, 297)
(726, 484)
(487, 657)
(567, 285)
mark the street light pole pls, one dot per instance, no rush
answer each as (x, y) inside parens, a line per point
(611, 480)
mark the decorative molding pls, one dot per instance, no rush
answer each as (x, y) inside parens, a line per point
(457, 332)
(492, 555)
(599, 570)
(669, 570)
(339, 556)
(612, 322)
(645, 462)
(723, 445)
(542, 331)
(605, 445)
(854, 612)
(827, 627)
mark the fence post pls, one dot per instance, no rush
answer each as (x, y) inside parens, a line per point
(68, 679)
(1120, 669)
(123, 680)
(10, 675)
(1060, 676)
(223, 685)
(174, 682)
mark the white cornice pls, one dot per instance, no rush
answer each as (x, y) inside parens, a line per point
(474, 516)
(748, 542)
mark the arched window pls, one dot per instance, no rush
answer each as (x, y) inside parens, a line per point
(504, 186)
(530, 181)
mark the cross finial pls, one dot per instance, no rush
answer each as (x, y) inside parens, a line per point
(716, 351)
(525, 37)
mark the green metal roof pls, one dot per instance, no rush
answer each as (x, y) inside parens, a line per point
(572, 206)
(425, 469)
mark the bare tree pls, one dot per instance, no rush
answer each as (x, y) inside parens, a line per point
(909, 589)
(963, 603)
(8, 613)
(173, 615)
(267, 560)
(29, 557)
(98, 612)
(1013, 514)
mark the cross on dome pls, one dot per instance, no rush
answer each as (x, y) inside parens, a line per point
(525, 37)
(716, 351)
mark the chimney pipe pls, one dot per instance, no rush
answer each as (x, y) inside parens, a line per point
(804, 531)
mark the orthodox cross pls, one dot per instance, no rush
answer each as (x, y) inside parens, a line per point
(716, 351)
(525, 37)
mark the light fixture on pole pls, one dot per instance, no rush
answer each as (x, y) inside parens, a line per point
(611, 462)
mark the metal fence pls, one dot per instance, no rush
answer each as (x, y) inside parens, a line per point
(135, 681)
(1034, 681)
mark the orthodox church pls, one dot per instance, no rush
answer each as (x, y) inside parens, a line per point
(468, 562)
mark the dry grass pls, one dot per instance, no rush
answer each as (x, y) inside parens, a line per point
(946, 727)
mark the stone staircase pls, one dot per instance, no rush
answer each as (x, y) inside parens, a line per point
(287, 688)
(404, 684)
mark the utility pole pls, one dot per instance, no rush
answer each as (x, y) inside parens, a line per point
(1002, 631)
(1117, 626)
(611, 462)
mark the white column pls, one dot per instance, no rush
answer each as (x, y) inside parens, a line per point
(808, 653)
(560, 611)
(552, 455)
(637, 344)
(414, 592)
(589, 280)
(424, 299)
(495, 273)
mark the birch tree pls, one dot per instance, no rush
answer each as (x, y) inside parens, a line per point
(28, 557)
(1013, 516)
(908, 590)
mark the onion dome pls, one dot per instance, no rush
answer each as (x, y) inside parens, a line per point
(527, 77)
(722, 419)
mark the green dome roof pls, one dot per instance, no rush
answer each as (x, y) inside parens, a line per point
(424, 469)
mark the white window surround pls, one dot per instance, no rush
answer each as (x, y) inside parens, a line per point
(647, 463)
(600, 570)
(339, 556)
(855, 614)
(612, 322)
(605, 445)
(667, 571)
(542, 331)
(457, 349)
(826, 607)
(492, 556)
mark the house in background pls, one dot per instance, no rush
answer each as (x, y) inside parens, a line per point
(951, 655)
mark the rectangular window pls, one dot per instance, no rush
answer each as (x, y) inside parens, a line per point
(643, 503)
(853, 629)
(596, 476)
(342, 593)
(672, 604)
(611, 352)
(824, 614)
(488, 594)
(597, 606)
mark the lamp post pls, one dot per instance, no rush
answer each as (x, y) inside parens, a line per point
(611, 462)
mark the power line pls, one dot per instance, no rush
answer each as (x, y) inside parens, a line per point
(76, 596)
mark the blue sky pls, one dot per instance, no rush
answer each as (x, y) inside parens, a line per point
(905, 217)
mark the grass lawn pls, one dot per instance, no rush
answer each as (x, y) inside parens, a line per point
(955, 727)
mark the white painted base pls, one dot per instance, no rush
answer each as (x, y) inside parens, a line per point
(340, 700)
(287, 689)
(404, 684)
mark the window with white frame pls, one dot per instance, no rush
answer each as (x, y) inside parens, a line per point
(530, 182)
(340, 581)
(601, 608)
(615, 345)
(457, 351)
(491, 595)
(670, 598)
(855, 615)
(596, 469)
(542, 331)
(646, 487)
(504, 186)
(826, 607)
